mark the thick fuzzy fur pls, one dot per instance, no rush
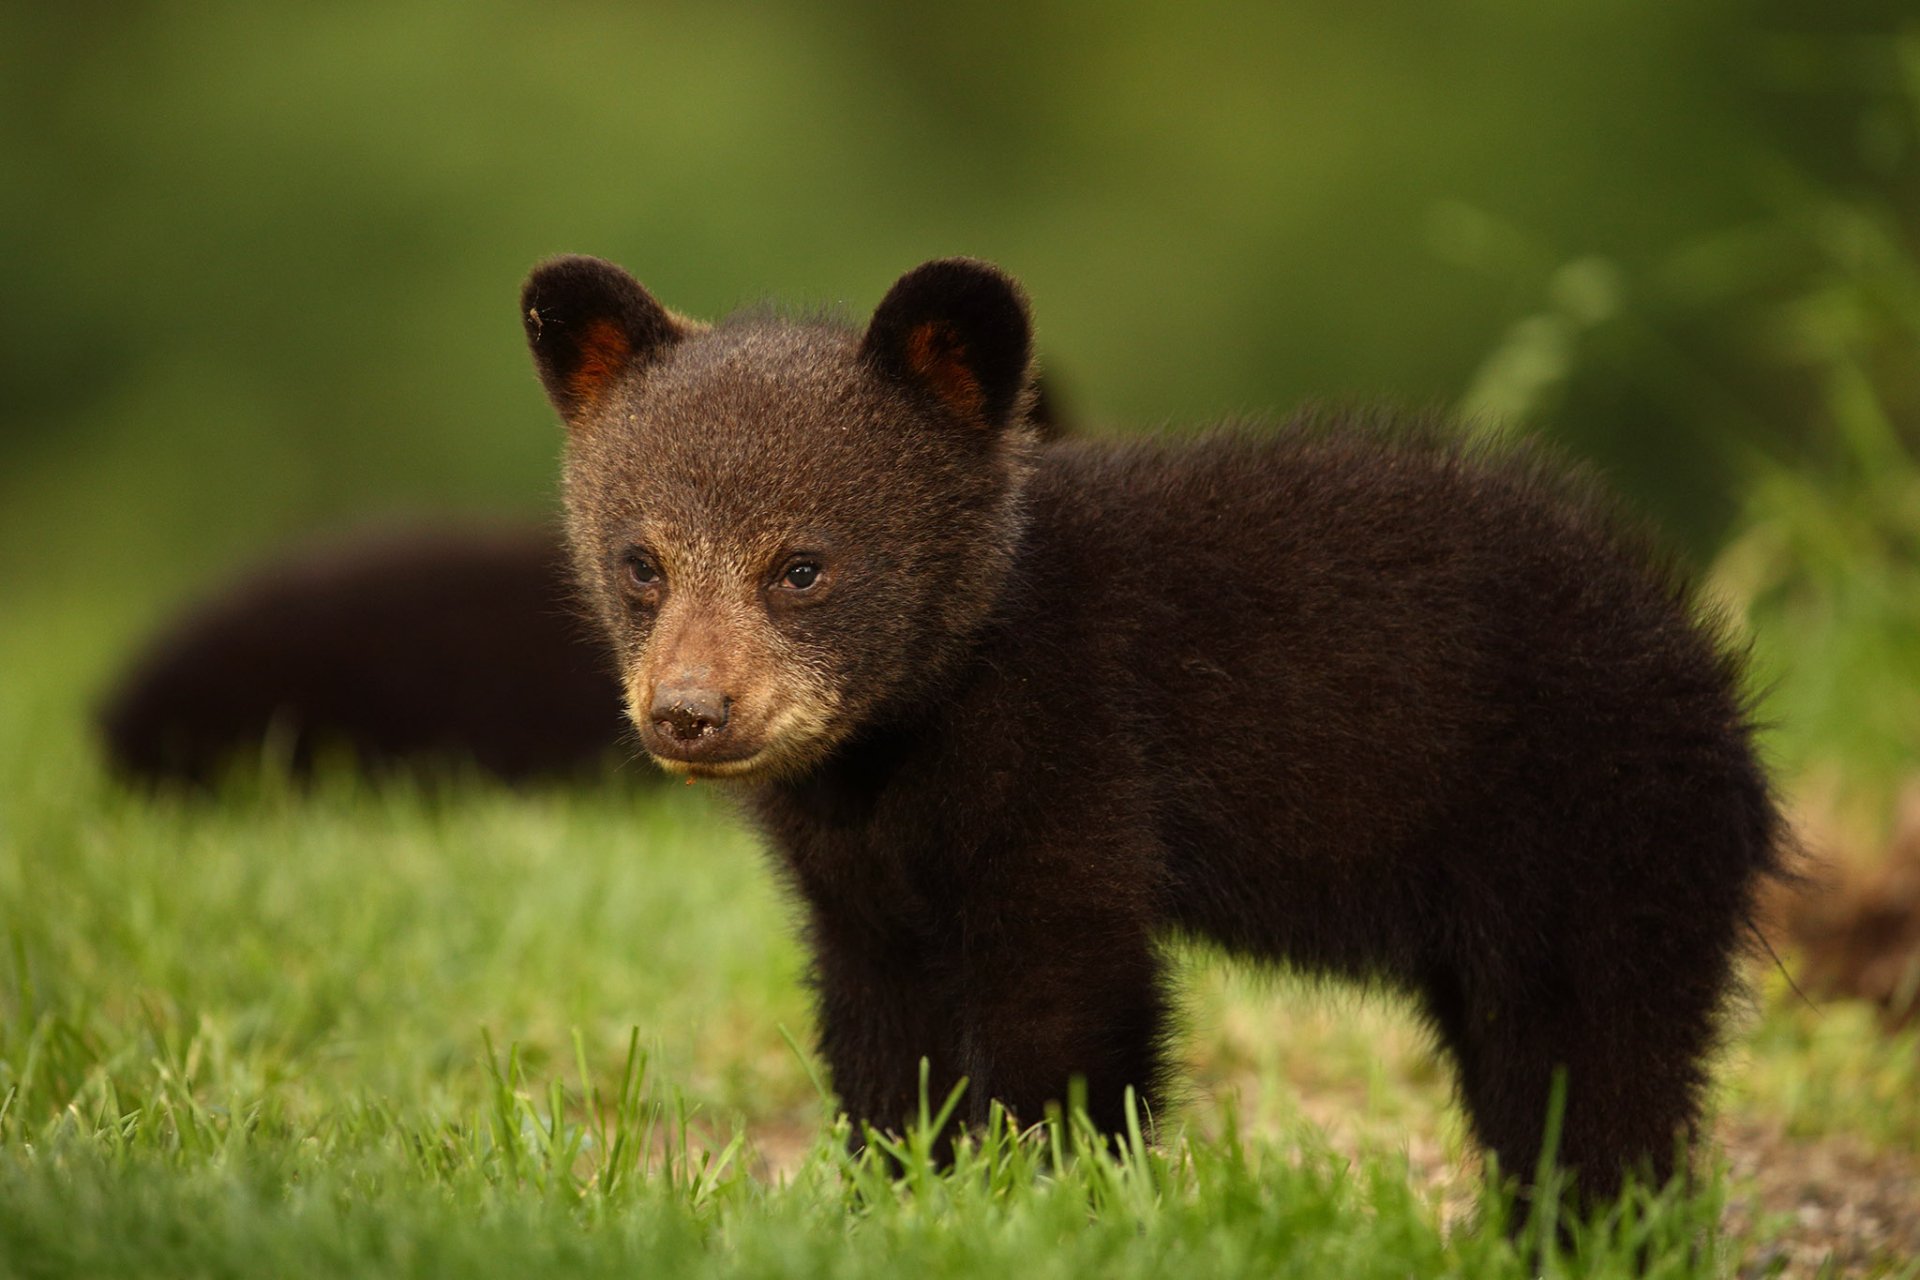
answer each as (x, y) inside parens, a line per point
(421, 646)
(1335, 695)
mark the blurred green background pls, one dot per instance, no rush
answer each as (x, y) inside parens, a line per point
(258, 262)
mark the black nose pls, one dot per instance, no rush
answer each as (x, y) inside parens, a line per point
(687, 715)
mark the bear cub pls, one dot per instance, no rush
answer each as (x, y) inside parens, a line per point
(419, 648)
(1341, 696)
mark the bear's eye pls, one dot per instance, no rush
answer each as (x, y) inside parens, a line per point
(639, 571)
(800, 574)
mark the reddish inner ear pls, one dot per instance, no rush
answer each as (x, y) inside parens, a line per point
(938, 357)
(603, 353)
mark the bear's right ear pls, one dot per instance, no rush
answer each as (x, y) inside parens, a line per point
(588, 323)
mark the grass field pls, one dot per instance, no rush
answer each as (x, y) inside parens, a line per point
(454, 1029)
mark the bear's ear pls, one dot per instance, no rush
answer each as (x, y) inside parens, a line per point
(958, 330)
(588, 322)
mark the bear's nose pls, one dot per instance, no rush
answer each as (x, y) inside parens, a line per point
(689, 714)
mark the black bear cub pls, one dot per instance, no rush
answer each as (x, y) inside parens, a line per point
(421, 648)
(1341, 696)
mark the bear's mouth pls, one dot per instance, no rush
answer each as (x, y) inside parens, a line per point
(741, 766)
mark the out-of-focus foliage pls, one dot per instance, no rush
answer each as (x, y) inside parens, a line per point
(1791, 344)
(258, 261)
(1684, 367)
(1826, 565)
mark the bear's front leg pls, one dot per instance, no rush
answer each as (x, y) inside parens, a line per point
(879, 1015)
(1065, 996)
(1018, 994)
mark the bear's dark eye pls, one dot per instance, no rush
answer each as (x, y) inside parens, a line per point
(800, 575)
(639, 570)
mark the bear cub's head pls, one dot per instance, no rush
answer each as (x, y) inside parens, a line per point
(790, 530)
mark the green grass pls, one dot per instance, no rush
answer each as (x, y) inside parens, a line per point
(453, 1029)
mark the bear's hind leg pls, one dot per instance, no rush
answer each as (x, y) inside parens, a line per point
(1634, 1066)
(1598, 935)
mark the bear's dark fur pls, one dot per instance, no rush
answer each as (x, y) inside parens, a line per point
(1339, 695)
(416, 647)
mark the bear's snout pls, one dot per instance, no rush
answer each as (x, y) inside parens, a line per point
(688, 713)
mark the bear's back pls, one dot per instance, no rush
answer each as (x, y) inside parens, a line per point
(1341, 650)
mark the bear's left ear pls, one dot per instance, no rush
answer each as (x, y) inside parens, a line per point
(588, 323)
(957, 329)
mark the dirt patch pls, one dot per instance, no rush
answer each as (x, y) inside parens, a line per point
(1856, 930)
(1827, 1207)
(1830, 1203)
